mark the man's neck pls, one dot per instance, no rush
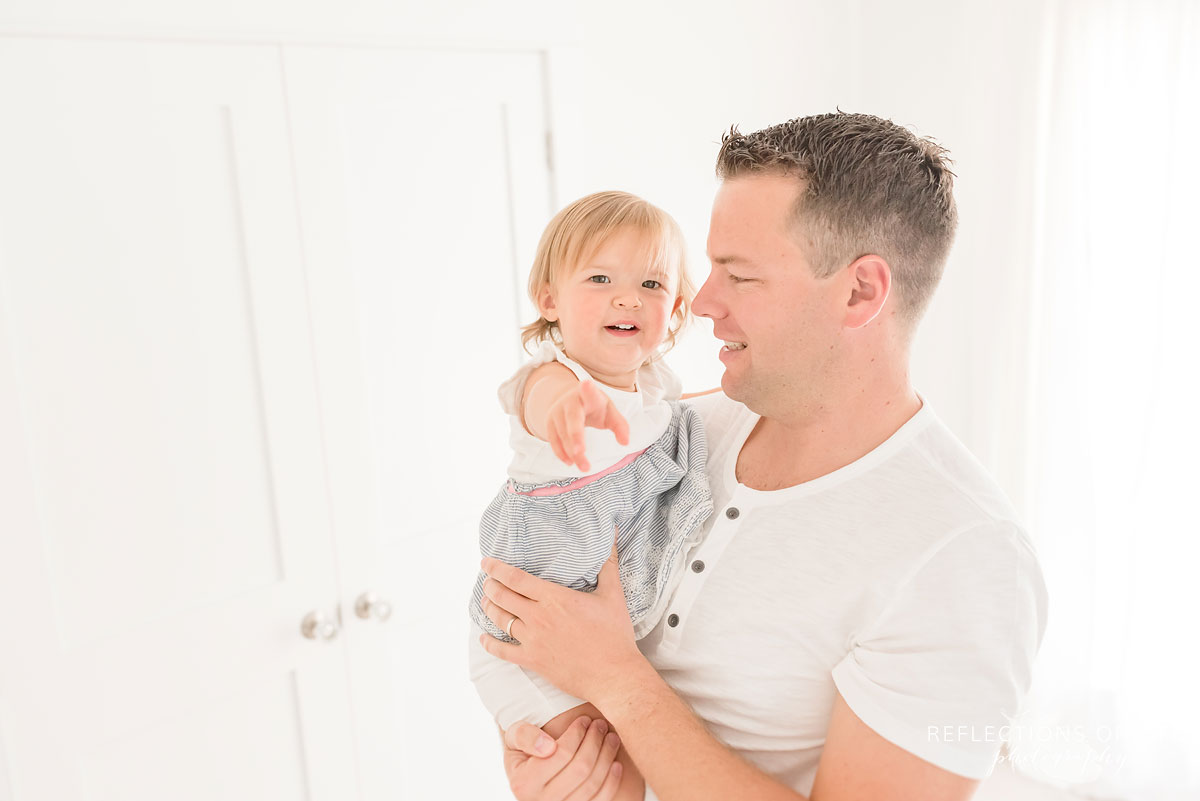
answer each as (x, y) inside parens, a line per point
(792, 446)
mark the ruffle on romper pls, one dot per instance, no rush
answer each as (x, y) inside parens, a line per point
(658, 503)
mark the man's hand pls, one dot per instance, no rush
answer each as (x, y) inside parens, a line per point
(581, 767)
(583, 406)
(582, 642)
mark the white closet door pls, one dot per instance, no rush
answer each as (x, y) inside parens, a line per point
(424, 187)
(163, 503)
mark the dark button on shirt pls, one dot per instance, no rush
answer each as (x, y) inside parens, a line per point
(697, 566)
(673, 620)
(732, 513)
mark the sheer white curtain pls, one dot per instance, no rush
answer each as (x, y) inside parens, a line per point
(1115, 481)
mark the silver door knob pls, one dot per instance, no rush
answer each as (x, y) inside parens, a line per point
(316, 626)
(368, 606)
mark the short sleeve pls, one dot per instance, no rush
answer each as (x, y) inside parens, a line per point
(948, 663)
(659, 381)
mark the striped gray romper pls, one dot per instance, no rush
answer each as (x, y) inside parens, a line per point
(563, 531)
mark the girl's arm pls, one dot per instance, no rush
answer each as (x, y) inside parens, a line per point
(556, 406)
(547, 384)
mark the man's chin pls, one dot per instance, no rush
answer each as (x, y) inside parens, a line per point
(732, 388)
(739, 387)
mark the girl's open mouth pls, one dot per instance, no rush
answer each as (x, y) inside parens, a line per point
(623, 329)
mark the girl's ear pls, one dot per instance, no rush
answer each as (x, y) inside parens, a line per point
(678, 303)
(546, 305)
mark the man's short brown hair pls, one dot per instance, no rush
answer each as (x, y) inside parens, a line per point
(871, 186)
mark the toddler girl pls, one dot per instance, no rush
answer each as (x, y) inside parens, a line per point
(599, 437)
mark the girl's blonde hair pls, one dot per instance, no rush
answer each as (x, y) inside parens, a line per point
(580, 229)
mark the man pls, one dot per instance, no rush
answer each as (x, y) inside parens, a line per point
(861, 617)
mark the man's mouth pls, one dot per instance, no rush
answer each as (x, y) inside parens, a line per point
(734, 345)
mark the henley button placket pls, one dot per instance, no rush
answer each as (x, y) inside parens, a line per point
(731, 513)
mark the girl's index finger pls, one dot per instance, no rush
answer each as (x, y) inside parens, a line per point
(603, 412)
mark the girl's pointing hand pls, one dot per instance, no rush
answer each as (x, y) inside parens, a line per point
(583, 406)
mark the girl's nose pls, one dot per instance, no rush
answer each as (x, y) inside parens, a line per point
(627, 301)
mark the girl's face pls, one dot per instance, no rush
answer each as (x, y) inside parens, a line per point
(613, 310)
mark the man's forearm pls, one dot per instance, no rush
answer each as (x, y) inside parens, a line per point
(678, 757)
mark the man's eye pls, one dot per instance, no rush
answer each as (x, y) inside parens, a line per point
(651, 284)
(737, 279)
(599, 279)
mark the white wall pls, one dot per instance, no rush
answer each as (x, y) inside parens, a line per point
(641, 92)
(968, 75)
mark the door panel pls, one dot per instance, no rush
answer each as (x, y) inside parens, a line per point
(424, 187)
(165, 516)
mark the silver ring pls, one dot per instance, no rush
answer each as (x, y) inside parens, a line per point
(508, 628)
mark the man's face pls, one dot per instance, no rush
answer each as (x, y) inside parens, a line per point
(761, 294)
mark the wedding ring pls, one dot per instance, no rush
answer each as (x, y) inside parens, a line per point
(508, 628)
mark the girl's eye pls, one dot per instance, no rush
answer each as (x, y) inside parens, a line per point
(599, 279)
(651, 284)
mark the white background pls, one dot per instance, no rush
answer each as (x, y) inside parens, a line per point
(638, 96)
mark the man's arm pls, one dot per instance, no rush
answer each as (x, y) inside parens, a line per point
(857, 764)
(583, 642)
(682, 761)
(678, 757)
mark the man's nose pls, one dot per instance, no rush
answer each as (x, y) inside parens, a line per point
(703, 304)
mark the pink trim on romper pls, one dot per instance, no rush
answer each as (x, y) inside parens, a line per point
(579, 482)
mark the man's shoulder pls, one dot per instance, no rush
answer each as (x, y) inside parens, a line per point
(941, 460)
(708, 402)
(718, 413)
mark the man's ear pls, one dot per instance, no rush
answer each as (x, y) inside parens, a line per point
(546, 305)
(870, 285)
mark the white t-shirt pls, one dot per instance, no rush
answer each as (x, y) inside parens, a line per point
(645, 409)
(901, 581)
